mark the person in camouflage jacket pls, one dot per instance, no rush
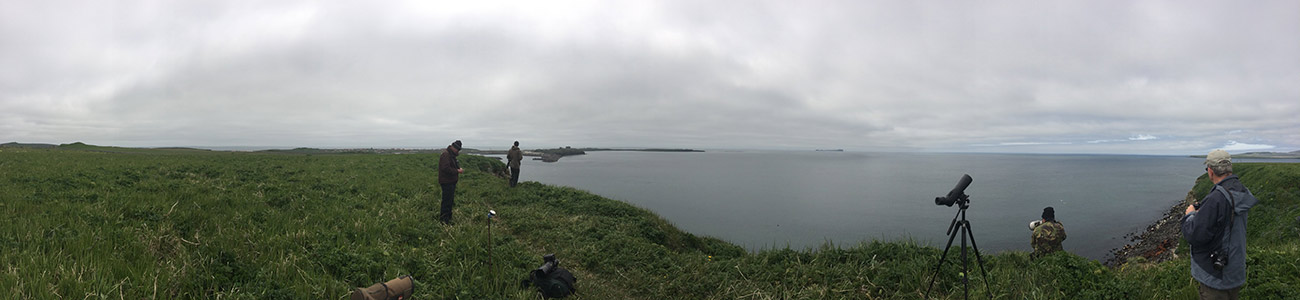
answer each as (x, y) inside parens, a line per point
(1047, 234)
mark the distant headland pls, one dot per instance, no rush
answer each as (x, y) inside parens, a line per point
(1273, 155)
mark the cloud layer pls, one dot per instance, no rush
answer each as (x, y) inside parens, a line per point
(1011, 76)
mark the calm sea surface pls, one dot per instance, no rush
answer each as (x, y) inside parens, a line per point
(774, 199)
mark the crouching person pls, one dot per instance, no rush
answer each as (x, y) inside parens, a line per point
(1047, 234)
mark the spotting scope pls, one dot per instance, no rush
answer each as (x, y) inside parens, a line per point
(958, 193)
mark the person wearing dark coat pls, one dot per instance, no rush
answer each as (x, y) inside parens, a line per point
(512, 160)
(1216, 227)
(448, 174)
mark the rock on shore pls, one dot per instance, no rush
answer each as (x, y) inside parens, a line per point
(1158, 242)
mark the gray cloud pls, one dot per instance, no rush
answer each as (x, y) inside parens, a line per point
(1017, 76)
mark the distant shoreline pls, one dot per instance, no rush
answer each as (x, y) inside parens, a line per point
(1263, 155)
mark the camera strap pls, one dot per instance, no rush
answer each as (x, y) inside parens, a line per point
(1232, 213)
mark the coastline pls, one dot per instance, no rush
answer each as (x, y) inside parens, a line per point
(1157, 243)
(617, 248)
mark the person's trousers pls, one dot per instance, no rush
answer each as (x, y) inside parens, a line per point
(1212, 293)
(514, 176)
(448, 201)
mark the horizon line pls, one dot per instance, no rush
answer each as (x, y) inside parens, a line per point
(247, 148)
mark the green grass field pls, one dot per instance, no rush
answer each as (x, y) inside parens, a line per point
(86, 222)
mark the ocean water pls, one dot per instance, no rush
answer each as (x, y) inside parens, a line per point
(778, 199)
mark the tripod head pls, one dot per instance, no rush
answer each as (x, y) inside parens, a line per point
(964, 201)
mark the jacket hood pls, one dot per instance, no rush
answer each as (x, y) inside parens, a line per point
(1242, 196)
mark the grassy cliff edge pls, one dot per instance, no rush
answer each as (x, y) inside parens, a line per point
(191, 224)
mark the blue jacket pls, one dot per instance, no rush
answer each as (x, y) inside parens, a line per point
(1204, 231)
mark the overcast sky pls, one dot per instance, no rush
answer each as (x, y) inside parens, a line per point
(1143, 77)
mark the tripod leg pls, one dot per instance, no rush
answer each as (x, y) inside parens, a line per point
(965, 282)
(951, 236)
(953, 225)
(979, 259)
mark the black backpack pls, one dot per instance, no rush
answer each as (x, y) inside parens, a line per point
(559, 283)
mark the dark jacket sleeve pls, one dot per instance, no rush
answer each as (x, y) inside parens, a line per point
(1204, 228)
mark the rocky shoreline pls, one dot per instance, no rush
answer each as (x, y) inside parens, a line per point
(1157, 243)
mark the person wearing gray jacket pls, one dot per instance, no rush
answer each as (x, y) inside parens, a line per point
(1215, 228)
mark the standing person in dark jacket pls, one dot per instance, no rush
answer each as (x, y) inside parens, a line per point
(1217, 225)
(448, 174)
(513, 158)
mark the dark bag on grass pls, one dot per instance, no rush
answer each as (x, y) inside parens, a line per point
(551, 279)
(557, 284)
(396, 289)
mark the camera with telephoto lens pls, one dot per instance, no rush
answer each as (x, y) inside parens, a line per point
(1219, 258)
(548, 264)
(551, 280)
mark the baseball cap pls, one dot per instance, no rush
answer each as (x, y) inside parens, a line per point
(1218, 157)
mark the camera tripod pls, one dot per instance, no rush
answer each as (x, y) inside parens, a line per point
(964, 228)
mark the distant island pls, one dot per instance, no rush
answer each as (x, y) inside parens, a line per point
(1272, 155)
(830, 150)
